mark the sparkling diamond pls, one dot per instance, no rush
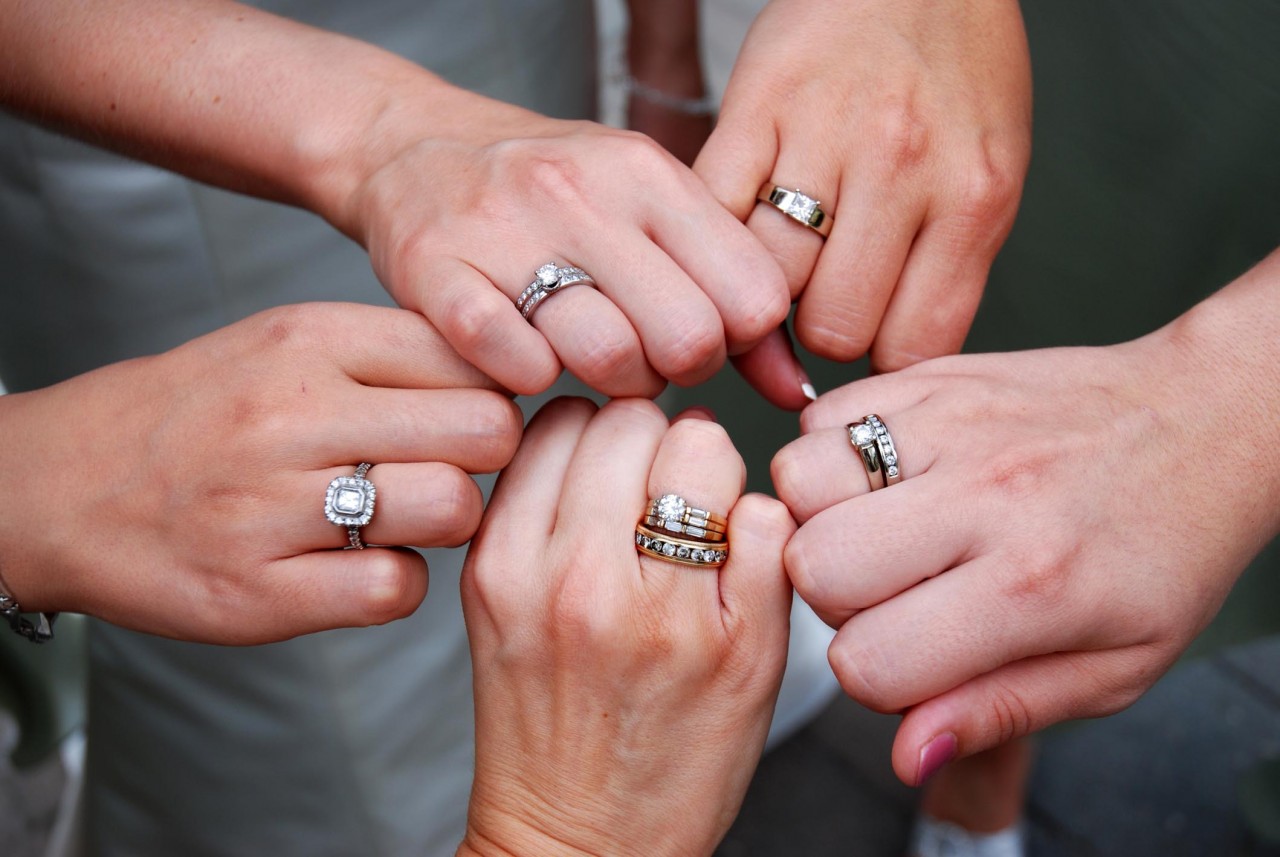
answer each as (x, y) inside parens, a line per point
(697, 532)
(671, 507)
(682, 552)
(695, 555)
(639, 539)
(673, 526)
(349, 501)
(669, 549)
(546, 274)
(801, 207)
(893, 471)
(863, 434)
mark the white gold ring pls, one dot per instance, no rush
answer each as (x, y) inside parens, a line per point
(548, 280)
(349, 503)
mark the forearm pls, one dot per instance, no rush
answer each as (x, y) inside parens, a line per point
(663, 47)
(221, 92)
(1231, 343)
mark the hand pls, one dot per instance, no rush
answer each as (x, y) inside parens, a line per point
(183, 494)
(1069, 520)
(456, 225)
(910, 122)
(621, 701)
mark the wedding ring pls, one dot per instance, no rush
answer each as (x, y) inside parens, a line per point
(796, 205)
(670, 512)
(682, 551)
(548, 280)
(875, 447)
(349, 503)
(706, 534)
(888, 452)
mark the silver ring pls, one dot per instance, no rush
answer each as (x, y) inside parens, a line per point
(349, 503)
(548, 280)
(870, 438)
(798, 206)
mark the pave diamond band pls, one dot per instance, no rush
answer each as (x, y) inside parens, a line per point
(349, 503)
(798, 206)
(548, 280)
(683, 551)
(870, 438)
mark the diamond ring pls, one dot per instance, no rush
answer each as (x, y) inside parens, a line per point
(796, 205)
(670, 512)
(349, 503)
(874, 445)
(683, 551)
(548, 280)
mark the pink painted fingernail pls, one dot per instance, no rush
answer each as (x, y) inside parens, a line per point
(936, 753)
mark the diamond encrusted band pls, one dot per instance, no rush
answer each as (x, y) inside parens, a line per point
(548, 280)
(683, 551)
(349, 503)
(874, 445)
(40, 632)
(888, 452)
(798, 206)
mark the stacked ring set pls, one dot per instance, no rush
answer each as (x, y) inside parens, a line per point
(673, 531)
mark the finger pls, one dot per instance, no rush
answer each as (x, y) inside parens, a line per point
(695, 412)
(794, 245)
(946, 631)
(422, 505)
(934, 302)
(697, 462)
(851, 284)
(773, 369)
(1016, 700)
(729, 265)
(477, 430)
(733, 165)
(879, 394)
(332, 589)
(485, 327)
(378, 346)
(821, 469)
(864, 551)
(678, 324)
(754, 591)
(525, 502)
(604, 489)
(596, 342)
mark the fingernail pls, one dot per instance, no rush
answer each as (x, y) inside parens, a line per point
(806, 387)
(935, 754)
(697, 412)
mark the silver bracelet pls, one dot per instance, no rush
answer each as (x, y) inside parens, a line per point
(705, 106)
(11, 612)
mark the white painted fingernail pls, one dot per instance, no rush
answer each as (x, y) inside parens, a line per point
(807, 388)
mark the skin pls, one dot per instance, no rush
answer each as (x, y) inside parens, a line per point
(181, 494)
(911, 123)
(620, 699)
(1069, 520)
(456, 197)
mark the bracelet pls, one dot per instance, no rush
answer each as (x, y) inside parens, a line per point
(11, 612)
(705, 106)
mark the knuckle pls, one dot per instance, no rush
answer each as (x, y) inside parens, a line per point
(1011, 715)
(387, 589)
(607, 356)
(988, 189)
(860, 671)
(693, 352)
(643, 413)
(496, 426)
(839, 333)
(472, 321)
(702, 440)
(456, 508)
(788, 478)
(902, 131)
(806, 566)
(1040, 576)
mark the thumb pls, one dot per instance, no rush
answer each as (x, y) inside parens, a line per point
(773, 369)
(1016, 700)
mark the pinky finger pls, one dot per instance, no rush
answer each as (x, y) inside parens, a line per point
(335, 589)
(485, 327)
(1016, 700)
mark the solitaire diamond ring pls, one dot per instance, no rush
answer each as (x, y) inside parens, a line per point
(798, 206)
